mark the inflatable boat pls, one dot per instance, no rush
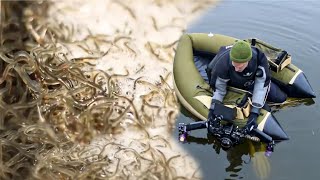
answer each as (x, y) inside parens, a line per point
(195, 94)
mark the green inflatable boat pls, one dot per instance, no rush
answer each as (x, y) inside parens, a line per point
(195, 94)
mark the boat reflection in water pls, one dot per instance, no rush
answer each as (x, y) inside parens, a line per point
(238, 156)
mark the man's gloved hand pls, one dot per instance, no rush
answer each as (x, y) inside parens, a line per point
(252, 119)
(252, 122)
(211, 116)
(212, 106)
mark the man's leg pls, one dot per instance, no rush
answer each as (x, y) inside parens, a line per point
(276, 95)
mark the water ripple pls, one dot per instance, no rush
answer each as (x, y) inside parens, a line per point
(293, 26)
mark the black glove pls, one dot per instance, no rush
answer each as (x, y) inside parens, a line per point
(212, 118)
(252, 122)
(211, 114)
(213, 122)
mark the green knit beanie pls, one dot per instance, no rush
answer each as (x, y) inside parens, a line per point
(241, 52)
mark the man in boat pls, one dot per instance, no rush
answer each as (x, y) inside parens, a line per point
(245, 67)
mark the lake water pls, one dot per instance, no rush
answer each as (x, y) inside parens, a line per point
(294, 26)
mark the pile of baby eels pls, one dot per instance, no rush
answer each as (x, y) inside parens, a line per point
(52, 104)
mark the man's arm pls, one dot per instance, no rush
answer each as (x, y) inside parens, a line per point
(218, 80)
(218, 95)
(261, 83)
(260, 91)
(220, 74)
(220, 89)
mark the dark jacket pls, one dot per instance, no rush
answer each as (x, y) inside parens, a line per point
(255, 78)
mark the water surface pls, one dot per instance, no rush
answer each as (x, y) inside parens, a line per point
(294, 26)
